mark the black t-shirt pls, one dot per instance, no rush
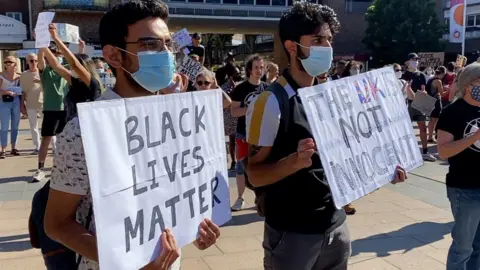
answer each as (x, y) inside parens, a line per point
(244, 93)
(80, 92)
(418, 79)
(198, 50)
(462, 119)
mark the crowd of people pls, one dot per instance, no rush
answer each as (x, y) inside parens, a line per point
(270, 141)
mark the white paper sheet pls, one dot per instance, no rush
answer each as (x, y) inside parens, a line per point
(145, 155)
(362, 131)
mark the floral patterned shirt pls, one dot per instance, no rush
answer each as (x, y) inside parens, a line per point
(69, 174)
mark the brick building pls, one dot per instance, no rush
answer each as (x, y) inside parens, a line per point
(85, 14)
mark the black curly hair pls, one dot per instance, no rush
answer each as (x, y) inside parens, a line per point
(304, 18)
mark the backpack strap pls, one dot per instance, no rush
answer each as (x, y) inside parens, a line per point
(87, 224)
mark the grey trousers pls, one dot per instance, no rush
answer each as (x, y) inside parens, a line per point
(294, 251)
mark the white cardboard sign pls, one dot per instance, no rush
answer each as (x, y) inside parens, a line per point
(182, 38)
(68, 33)
(42, 36)
(154, 162)
(362, 131)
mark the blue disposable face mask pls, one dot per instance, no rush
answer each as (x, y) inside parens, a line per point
(155, 70)
(319, 61)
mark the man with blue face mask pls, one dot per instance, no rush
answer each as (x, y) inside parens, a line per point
(303, 229)
(138, 47)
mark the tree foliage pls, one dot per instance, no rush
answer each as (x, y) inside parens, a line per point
(214, 43)
(398, 27)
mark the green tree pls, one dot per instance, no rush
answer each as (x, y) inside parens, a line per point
(398, 27)
(213, 44)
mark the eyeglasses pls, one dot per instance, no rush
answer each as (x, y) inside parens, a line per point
(201, 83)
(397, 70)
(151, 44)
(9, 62)
(33, 61)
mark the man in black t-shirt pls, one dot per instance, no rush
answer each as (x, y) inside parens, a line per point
(197, 48)
(419, 81)
(242, 95)
(459, 142)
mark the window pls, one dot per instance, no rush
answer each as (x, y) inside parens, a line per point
(263, 2)
(15, 15)
(357, 6)
(470, 20)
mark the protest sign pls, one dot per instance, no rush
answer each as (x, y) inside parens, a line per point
(153, 163)
(461, 61)
(424, 103)
(108, 80)
(362, 131)
(15, 89)
(68, 33)
(42, 36)
(431, 59)
(189, 67)
(182, 38)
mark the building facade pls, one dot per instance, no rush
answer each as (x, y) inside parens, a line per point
(14, 25)
(472, 34)
(256, 17)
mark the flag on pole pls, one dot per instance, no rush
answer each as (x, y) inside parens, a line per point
(457, 9)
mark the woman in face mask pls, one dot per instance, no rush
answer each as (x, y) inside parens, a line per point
(82, 77)
(435, 89)
(352, 68)
(407, 91)
(459, 142)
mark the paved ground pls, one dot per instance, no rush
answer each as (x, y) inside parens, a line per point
(398, 227)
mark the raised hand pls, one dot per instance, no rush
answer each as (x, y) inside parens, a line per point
(209, 233)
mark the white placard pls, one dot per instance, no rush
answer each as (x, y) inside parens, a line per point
(154, 162)
(362, 131)
(182, 38)
(68, 33)
(189, 67)
(15, 89)
(42, 36)
(424, 103)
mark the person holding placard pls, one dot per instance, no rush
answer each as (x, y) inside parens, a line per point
(459, 142)
(140, 53)
(82, 77)
(303, 229)
(418, 82)
(9, 105)
(54, 115)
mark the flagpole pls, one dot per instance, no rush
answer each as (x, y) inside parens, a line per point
(464, 25)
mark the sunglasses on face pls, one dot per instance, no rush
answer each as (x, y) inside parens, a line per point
(397, 70)
(201, 83)
(33, 61)
(9, 62)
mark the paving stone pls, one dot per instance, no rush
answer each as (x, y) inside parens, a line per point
(194, 263)
(372, 264)
(235, 261)
(238, 244)
(14, 214)
(190, 251)
(413, 261)
(381, 247)
(426, 214)
(15, 205)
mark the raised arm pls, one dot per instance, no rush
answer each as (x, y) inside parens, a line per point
(55, 65)
(41, 60)
(75, 65)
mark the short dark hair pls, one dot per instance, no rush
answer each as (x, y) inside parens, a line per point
(451, 66)
(114, 24)
(342, 63)
(252, 58)
(440, 70)
(303, 18)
